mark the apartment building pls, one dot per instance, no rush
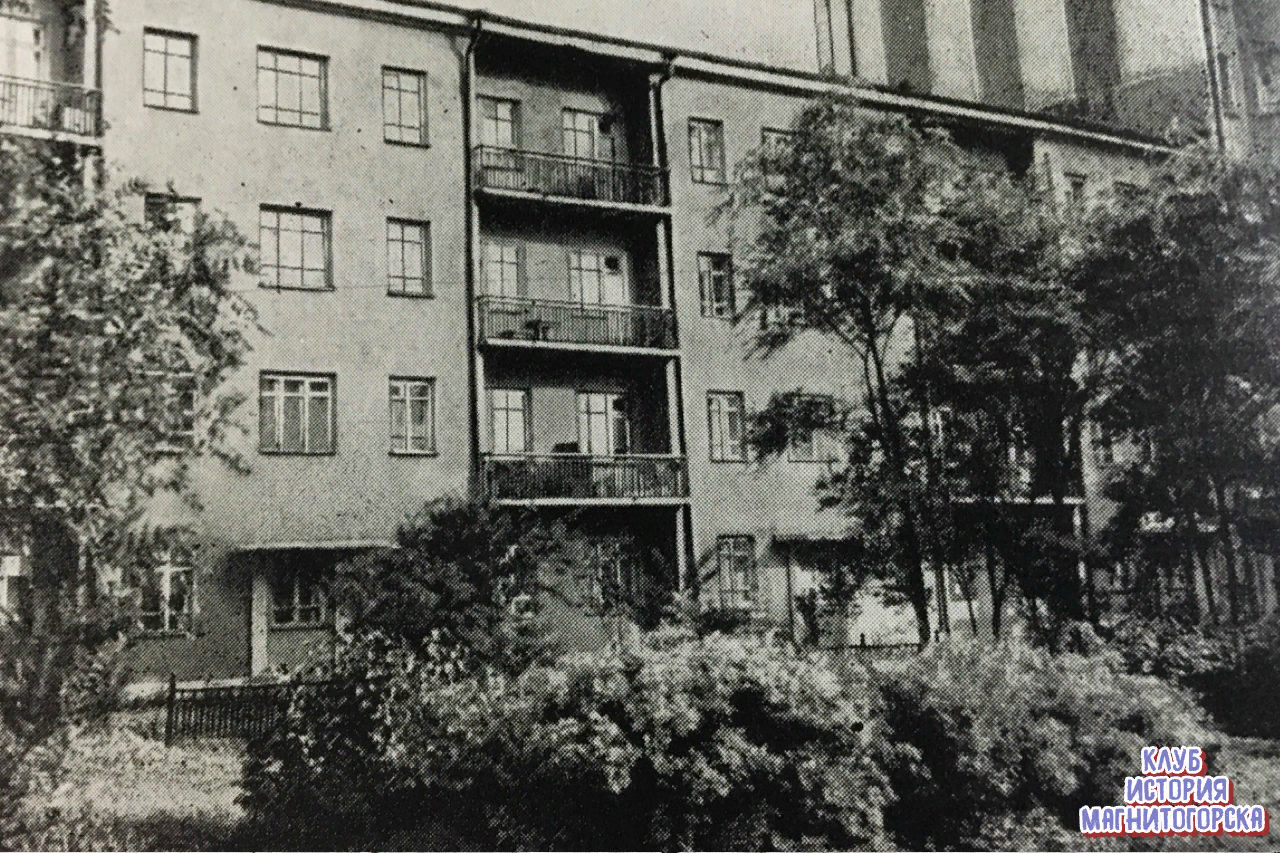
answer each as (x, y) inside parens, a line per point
(491, 264)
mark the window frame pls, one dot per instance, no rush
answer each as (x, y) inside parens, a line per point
(322, 78)
(164, 572)
(819, 450)
(525, 414)
(699, 171)
(424, 226)
(1077, 200)
(708, 305)
(326, 222)
(514, 122)
(718, 451)
(405, 383)
(170, 202)
(278, 412)
(491, 246)
(424, 139)
(735, 546)
(192, 71)
(294, 575)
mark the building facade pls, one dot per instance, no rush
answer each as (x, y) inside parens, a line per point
(491, 264)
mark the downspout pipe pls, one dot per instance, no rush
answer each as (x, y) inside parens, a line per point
(469, 247)
(1215, 81)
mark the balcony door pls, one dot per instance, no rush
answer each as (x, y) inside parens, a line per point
(597, 279)
(604, 428)
(584, 136)
(21, 48)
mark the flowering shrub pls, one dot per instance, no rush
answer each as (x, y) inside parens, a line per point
(988, 747)
(714, 743)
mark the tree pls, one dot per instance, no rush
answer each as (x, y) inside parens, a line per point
(1178, 288)
(115, 337)
(463, 574)
(942, 281)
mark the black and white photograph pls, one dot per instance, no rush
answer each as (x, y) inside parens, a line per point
(683, 425)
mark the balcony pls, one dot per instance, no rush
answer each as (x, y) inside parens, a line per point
(53, 107)
(574, 477)
(517, 320)
(596, 182)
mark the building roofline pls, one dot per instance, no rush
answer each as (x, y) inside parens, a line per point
(433, 13)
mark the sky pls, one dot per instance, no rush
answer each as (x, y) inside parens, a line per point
(778, 32)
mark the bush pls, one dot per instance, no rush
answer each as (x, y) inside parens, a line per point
(713, 743)
(999, 746)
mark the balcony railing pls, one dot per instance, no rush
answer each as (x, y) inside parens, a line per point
(504, 318)
(43, 105)
(569, 177)
(574, 476)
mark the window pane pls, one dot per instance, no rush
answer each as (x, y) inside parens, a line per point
(319, 439)
(292, 427)
(398, 428)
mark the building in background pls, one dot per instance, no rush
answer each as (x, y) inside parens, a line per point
(490, 265)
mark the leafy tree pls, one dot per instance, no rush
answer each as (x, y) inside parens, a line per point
(464, 574)
(943, 282)
(1178, 288)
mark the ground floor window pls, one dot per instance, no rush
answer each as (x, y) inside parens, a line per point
(167, 602)
(15, 586)
(297, 595)
(736, 569)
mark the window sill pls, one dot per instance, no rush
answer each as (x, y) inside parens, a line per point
(323, 129)
(734, 461)
(187, 110)
(282, 287)
(266, 452)
(414, 454)
(167, 635)
(406, 295)
(309, 626)
(401, 143)
(707, 183)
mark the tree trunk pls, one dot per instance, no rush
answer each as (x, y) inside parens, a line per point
(1206, 571)
(1228, 551)
(997, 594)
(1189, 581)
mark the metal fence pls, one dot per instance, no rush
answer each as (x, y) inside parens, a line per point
(570, 177)
(239, 711)
(504, 318)
(579, 476)
(45, 105)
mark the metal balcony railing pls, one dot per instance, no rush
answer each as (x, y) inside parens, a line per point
(569, 177)
(576, 476)
(44, 105)
(505, 318)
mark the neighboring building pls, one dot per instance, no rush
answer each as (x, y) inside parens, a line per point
(490, 264)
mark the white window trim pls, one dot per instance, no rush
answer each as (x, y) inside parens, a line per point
(404, 385)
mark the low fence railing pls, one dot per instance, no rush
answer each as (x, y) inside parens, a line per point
(45, 105)
(569, 177)
(505, 318)
(579, 476)
(239, 711)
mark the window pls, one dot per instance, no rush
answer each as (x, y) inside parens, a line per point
(168, 598)
(726, 424)
(736, 569)
(706, 151)
(15, 586)
(503, 270)
(774, 144)
(180, 414)
(295, 413)
(413, 406)
(814, 446)
(404, 106)
(1268, 59)
(292, 89)
(603, 426)
(1227, 82)
(22, 53)
(510, 420)
(296, 596)
(170, 212)
(715, 284)
(597, 279)
(608, 579)
(408, 258)
(583, 135)
(169, 70)
(294, 248)
(1076, 194)
(1103, 446)
(499, 122)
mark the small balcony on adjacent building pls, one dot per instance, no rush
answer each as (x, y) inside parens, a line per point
(47, 45)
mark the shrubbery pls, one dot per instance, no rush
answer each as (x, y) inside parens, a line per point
(990, 747)
(712, 743)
